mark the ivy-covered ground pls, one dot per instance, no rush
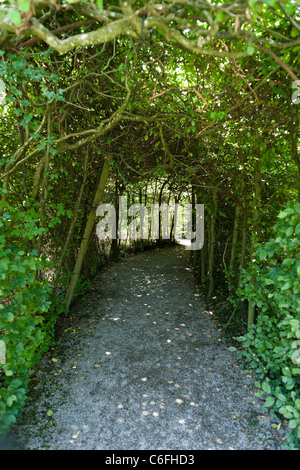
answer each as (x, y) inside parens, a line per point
(139, 364)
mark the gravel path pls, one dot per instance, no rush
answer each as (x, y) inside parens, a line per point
(142, 369)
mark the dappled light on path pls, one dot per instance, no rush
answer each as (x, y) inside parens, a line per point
(145, 369)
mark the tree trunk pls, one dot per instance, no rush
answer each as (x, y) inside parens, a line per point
(160, 214)
(233, 246)
(174, 218)
(255, 228)
(114, 250)
(37, 177)
(141, 202)
(73, 222)
(194, 253)
(44, 191)
(294, 135)
(88, 230)
(296, 157)
(202, 264)
(153, 202)
(212, 244)
(244, 243)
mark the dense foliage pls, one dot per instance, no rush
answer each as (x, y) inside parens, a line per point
(272, 346)
(24, 299)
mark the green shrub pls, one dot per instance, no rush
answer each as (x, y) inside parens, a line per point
(23, 300)
(272, 346)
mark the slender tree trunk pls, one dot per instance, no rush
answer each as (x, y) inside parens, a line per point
(174, 217)
(146, 195)
(296, 157)
(255, 228)
(142, 231)
(201, 256)
(152, 222)
(202, 263)
(37, 177)
(73, 222)
(244, 243)
(294, 135)
(234, 243)
(44, 192)
(88, 230)
(160, 214)
(212, 244)
(193, 253)
(114, 243)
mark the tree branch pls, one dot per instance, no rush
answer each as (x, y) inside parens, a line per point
(105, 34)
(278, 61)
(62, 29)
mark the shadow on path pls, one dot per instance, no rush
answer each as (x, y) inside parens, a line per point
(143, 369)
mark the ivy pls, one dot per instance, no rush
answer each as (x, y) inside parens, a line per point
(24, 302)
(272, 347)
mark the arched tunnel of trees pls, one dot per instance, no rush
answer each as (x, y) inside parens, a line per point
(171, 102)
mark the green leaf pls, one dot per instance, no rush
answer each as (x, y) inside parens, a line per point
(269, 401)
(220, 15)
(286, 372)
(10, 400)
(262, 254)
(24, 5)
(281, 397)
(49, 413)
(287, 414)
(99, 4)
(14, 16)
(293, 424)
(9, 317)
(271, 3)
(3, 265)
(214, 115)
(266, 387)
(250, 50)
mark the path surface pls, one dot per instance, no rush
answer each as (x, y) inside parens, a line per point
(143, 370)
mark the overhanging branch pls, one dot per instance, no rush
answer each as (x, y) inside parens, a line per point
(105, 34)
